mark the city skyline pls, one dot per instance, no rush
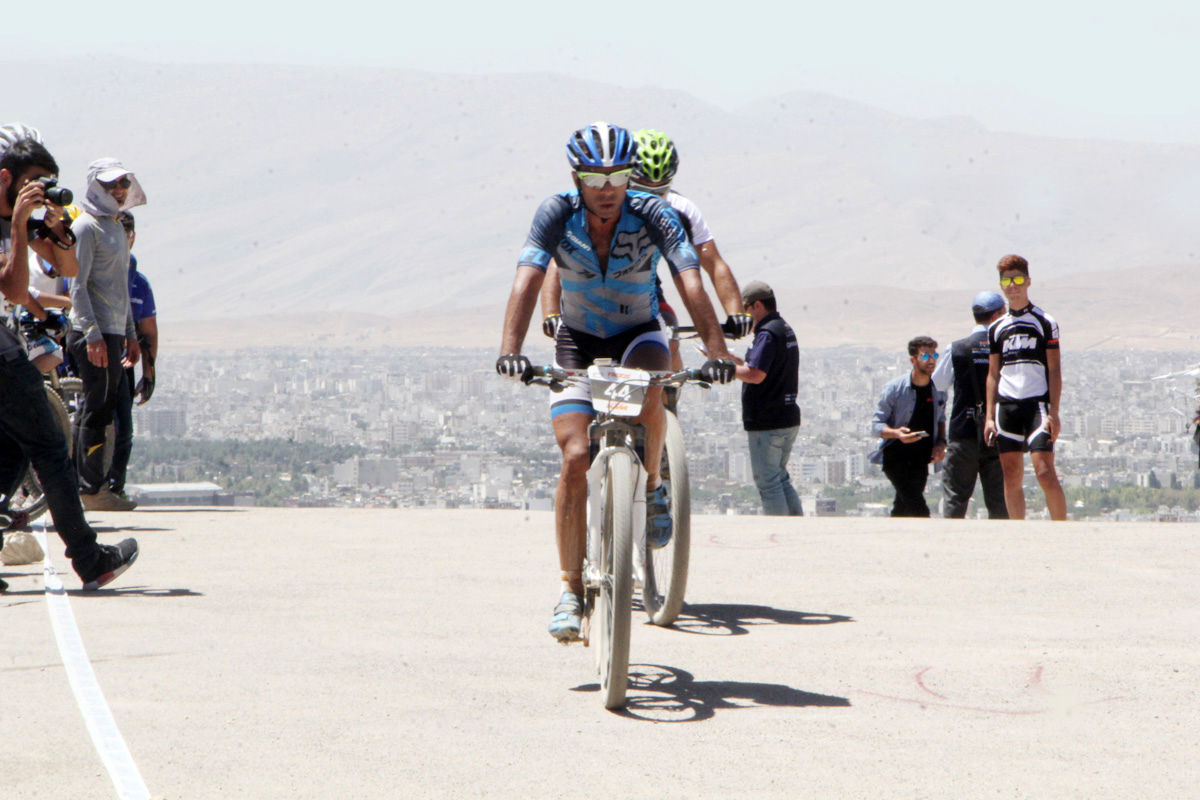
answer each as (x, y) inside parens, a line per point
(438, 427)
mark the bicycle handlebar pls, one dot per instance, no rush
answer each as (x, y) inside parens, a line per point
(690, 332)
(555, 377)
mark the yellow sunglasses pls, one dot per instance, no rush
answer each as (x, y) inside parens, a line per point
(1015, 280)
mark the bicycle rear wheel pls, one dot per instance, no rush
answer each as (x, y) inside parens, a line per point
(614, 602)
(667, 567)
(29, 496)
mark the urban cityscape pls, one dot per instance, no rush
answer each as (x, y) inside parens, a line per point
(438, 428)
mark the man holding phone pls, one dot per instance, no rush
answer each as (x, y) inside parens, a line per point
(910, 421)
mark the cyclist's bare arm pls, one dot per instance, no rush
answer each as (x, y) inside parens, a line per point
(35, 306)
(46, 300)
(725, 285)
(521, 302)
(62, 259)
(700, 309)
(551, 291)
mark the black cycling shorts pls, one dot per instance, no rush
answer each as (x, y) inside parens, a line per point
(1022, 426)
(576, 350)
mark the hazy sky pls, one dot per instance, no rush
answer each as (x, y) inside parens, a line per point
(1059, 68)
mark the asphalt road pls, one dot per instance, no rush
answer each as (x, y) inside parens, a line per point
(268, 653)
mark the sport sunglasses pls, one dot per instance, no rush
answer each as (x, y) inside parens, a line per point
(598, 180)
(123, 182)
(1015, 280)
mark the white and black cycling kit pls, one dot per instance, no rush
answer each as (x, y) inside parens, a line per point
(1022, 339)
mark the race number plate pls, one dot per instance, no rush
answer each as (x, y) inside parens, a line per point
(618, 391)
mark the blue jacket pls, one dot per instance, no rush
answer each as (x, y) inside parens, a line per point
(895, 409)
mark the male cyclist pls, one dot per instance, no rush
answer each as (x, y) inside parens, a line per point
(655, 163)
(1024, 385)
(606, 241)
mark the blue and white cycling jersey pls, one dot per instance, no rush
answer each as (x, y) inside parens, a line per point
(606, 302)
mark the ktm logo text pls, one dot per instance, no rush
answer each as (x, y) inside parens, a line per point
(1021, 341)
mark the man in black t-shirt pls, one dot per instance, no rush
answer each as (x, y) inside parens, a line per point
(770, 413)
(910, 421)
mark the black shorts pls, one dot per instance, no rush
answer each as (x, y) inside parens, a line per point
(576, 350)
(1022, 426)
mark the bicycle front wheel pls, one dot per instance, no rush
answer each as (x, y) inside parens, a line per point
(667, 567)
(614, 603)
(29, 496)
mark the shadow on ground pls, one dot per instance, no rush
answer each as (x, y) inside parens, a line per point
(659, 693)
(732, 619)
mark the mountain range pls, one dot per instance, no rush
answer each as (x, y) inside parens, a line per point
(288, 198)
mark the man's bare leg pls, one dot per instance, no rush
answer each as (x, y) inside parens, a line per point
(1013, 465)
(570, 500)
(1056, 498)
(653, 417)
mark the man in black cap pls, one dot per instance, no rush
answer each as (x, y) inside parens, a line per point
(965, 368)
(770, 414)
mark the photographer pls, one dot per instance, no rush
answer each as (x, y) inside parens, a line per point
(28, 432)
(103, 340)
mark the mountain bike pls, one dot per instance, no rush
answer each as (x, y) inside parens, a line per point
(616, 513)
(63, 396)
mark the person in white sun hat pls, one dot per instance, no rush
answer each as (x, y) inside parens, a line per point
(103, 339)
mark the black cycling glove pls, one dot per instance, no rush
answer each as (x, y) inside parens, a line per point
(738, 325)
(550, 325)
(515, 366)
(718, 370)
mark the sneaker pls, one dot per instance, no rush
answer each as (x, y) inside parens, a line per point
(105, 500)
(112, 561)
(567, 621)
(121, 495)
(658, 517)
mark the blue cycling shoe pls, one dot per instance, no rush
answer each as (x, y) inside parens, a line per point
(658, 517)
(567, 620)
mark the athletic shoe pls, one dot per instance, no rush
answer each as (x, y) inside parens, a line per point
(658, 517)
(121, 495)
(112, 561)
(567, 621)
(105, 500)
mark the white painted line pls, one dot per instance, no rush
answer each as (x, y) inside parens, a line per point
(109, 743)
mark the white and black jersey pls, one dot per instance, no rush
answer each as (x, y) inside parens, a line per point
(1021, 338)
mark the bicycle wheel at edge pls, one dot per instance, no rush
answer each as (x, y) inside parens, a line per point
(29, 496)
(667, 567)
(614, 605)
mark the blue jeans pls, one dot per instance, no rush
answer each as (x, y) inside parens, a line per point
(769, 451)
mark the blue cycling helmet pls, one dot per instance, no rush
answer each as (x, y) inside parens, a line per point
(601, 145)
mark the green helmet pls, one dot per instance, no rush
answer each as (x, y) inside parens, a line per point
(656, 159)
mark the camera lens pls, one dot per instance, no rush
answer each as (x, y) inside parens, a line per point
(59, 195)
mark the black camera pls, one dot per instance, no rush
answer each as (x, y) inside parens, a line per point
(37, 226)
(58, 195)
